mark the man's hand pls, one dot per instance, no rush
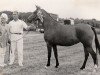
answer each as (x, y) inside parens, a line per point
(31, 27)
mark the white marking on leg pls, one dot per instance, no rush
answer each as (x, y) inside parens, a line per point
(46, 67)
(94, 70)
(95, 66)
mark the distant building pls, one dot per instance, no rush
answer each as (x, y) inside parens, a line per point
(71, 21)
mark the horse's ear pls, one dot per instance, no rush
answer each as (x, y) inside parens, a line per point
(38, 7)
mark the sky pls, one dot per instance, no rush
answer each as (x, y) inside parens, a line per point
(86, 9)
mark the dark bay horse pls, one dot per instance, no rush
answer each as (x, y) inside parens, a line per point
(66, 35)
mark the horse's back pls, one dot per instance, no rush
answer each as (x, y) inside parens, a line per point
(69, 35)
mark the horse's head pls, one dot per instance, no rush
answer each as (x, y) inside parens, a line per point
(36, 15)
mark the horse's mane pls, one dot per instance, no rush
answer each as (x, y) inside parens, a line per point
(49, 15)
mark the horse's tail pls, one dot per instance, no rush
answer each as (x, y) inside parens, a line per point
(96, 40)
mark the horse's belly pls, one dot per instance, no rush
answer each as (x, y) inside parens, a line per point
(69, 42)
(72, 43)
(63, 38)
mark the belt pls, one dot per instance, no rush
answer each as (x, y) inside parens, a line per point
(17, 33)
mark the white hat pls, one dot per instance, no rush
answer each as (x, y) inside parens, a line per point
(3, 15)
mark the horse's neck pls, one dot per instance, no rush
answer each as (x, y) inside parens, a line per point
(49, 22)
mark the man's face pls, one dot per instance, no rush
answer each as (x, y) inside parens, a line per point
(3, 20)
(15, 16)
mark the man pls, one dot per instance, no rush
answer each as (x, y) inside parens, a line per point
(3, 38)
(16, 36)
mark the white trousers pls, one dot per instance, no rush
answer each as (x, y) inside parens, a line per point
(16, 44)
(2, 54)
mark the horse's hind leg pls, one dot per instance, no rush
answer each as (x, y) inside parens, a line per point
(56, 55)
(49, 48)
(93, 54)
(86, 57)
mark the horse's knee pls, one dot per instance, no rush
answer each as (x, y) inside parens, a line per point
(86, 54)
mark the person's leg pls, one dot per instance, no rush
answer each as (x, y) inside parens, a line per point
(20, 52)
(2, 53)
(12, 52)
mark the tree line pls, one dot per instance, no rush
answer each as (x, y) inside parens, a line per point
(24, 15)
(92, 22)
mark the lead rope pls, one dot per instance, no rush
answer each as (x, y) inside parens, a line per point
(21, 37)
(16, 41)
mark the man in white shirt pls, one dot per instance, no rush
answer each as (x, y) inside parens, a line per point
(16, 36)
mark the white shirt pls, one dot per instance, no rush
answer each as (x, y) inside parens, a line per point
(17, 26)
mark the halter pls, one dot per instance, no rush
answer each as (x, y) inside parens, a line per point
(40, 16)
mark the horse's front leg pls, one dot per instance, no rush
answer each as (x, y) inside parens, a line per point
(49, 48)
(56, 55)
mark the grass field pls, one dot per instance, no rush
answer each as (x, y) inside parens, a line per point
(35, 58)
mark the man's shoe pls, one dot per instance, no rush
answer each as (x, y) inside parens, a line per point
(2, 65)
(20, 64)
(10, 63)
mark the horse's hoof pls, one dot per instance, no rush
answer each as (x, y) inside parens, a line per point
(94, 71)
(46, 67)
(56, 66)
(82, 68)
(95, 66)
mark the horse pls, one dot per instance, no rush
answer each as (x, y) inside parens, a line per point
(66, 35)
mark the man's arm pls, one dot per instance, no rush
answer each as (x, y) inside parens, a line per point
(28, 27)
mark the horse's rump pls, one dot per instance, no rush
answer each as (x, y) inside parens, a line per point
(84, 33)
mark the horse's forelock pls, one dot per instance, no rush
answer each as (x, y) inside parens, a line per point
(40, 14)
